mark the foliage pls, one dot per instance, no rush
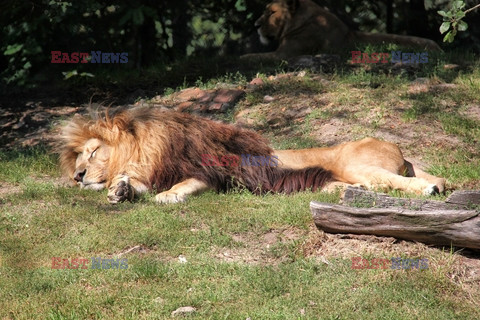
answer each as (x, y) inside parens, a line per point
(453, 19)
(150, 32)
(165, 32)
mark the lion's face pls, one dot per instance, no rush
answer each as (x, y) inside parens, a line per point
(91, 166)
(273, 20)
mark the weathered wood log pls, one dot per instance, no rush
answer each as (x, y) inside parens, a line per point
(435, 224)
(464, 197)
(362, 198)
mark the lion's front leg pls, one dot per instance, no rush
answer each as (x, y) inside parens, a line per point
(124, 188)
(180, 191)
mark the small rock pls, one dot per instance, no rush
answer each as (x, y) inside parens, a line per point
(190, 94)
(159, 300)
(182, 259)
(257, 82)
(183, 311)
(228, 95)
(268, 98)
(450, 66)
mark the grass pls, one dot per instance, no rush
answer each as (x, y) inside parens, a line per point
(235, 255)
(278, 283)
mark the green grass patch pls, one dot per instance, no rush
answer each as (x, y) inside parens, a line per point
(20, 164)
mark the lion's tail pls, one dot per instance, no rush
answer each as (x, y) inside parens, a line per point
(407, 41)
(289, 180)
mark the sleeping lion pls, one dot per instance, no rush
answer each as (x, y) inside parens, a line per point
(302, 27)
(142, 149)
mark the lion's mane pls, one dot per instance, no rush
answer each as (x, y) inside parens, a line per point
(163, 148)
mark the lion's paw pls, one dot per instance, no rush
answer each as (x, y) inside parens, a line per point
(121, 191)
(169, 197)
(432, 189)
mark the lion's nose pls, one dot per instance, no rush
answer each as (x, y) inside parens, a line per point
(79, 174)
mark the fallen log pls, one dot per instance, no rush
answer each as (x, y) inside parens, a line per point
(432, 222)
(456, 201)
(465, 197)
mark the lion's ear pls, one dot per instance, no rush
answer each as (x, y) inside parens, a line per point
(293, 5)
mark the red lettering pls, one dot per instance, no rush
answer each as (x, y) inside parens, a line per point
(374, 264)
(207, 160)
(235, 160)
(84, 56)
(74, 57)
(55, 55)
(65, 58)
(74, 264)
(385, 263)
(56, 262)
(84, 263)
(224, 161)
(366, 58)
(216, 161)
(356, 264)
(356, 56)
(66, 264)
(385, 57)
(375, 57)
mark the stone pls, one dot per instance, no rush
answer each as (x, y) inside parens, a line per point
(228, 95)
(183, 311)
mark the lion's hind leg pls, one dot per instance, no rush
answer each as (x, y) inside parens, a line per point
(414, 171)
(375, 177)
(180, 191)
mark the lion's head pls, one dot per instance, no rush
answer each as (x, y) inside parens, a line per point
(91, 166)
(87, 146)
(276, 16)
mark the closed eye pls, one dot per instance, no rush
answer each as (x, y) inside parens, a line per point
(93, 153)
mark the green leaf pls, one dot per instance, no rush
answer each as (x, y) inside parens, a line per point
(444, 27)
(462, 26)
(442, 13)
(69, 74)
(86, 74)
(448, 37)
(12, 49)
(458, 4)
(460, 14)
